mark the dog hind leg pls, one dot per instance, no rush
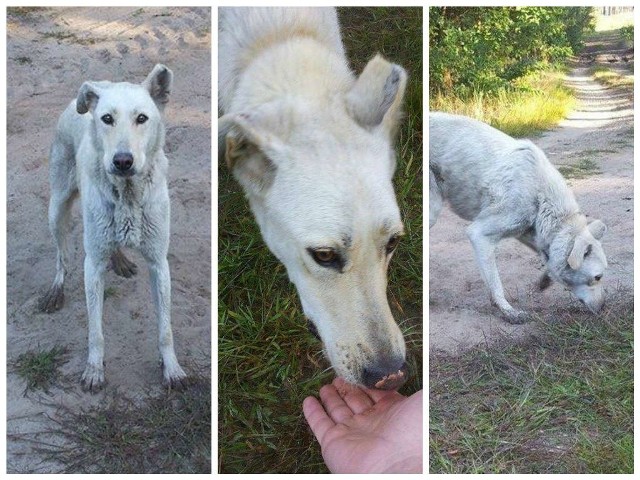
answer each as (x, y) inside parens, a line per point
(64, 191)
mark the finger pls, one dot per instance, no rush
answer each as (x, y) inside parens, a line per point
(355, 398)
(374, 395)
(334, 405)
(379, 395)
(317, 418)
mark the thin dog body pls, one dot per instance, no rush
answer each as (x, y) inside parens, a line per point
(312, 147)
(508, 188)
(108, 148)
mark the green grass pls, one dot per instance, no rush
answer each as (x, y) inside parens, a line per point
(268, 362)
(586, 166)
(539, 103)
(560, 402)
(41, 369)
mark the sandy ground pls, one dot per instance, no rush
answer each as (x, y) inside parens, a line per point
(600, 129)
(50, 52)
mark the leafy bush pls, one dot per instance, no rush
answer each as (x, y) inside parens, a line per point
(488, 48)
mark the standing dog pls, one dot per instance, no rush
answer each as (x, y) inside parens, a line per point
(109, 148)
(508, 188)
(311, 145)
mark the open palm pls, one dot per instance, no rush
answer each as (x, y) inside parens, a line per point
(367, 431)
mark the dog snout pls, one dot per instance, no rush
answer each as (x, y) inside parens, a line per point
(591, 297)
(122, 162)
(386, 376)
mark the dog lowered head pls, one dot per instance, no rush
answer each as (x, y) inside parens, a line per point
(317, 173)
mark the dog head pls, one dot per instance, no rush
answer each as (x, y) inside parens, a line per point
(127, 127)
(318, 178)
(578, 261)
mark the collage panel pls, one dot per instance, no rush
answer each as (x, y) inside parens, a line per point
(320, 184)
(531, 165)
(108, 240)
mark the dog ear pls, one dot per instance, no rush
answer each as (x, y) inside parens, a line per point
(159, 83)
(580, 247)
(87, 97)
(249, 149)
(377, 94)
(597, 229)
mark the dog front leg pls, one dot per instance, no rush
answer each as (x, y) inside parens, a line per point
(174, 376)
(93, 376)
(484, 247)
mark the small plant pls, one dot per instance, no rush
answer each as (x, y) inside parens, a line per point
(41, 369)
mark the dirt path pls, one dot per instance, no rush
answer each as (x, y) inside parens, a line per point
(50, 53)
(599, 134)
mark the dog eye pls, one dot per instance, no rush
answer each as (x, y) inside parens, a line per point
(142, 118)
(597, 278)
(326, 257)
(107, 119)
(392, 244)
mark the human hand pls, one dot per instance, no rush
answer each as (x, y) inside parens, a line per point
(366, 431)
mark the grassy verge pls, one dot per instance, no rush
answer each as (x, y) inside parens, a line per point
(268, 362)
(538, 103)
(562, 402)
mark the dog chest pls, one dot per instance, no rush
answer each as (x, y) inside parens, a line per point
(127, 225)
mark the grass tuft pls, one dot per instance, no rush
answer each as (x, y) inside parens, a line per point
(41, 369)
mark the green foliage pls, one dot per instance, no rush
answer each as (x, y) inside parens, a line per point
(488, 48)
(627, 32)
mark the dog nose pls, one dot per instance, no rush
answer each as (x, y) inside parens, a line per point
(385, 376)
(122, 161)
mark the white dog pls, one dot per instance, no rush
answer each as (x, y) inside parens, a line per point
(508, 188)
(109, 148)
(311, 145)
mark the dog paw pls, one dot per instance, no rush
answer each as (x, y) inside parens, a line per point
(122, 266)
(53, 300)
(174, 378)
(517, 317)
(92, 378)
